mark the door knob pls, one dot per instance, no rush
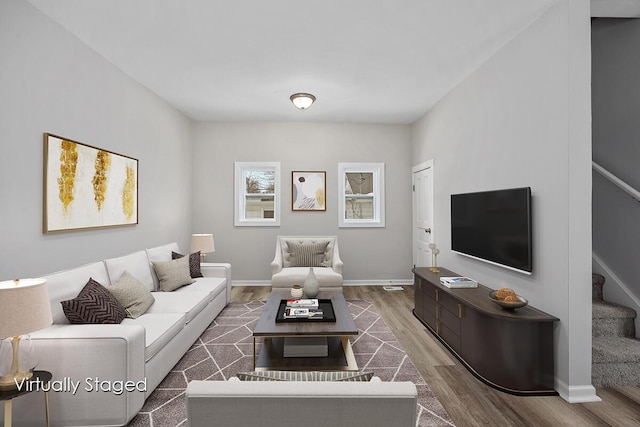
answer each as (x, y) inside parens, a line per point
(427, 230)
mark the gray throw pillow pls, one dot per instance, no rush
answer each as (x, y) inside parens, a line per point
(173, 274)
(305, 376)
(307, 254)
(132, 294)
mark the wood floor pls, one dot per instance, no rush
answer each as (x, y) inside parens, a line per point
(468, 401)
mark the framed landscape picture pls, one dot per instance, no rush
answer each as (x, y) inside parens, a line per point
(87, 187)
(308, 190)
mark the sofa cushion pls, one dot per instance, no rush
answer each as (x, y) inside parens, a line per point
(137, 264)
(132, 295)
(67, 284)
(327, 277)
(305, 376)
(307, 254)
(159, 330)
(213, 286)
(194, 263)
(173, 274)
(189, 303)
(94, 304)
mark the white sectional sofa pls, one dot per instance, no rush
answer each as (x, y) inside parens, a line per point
(102, 358)
(236, 403)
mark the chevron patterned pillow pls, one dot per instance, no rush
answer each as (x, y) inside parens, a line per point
(94, 304)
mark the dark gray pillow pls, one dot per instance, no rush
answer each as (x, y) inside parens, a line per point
(94, 304)
(305, 376)
(194, 263)
(307, 254)
(132, 295)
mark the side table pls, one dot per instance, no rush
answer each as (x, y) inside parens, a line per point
(8, 395)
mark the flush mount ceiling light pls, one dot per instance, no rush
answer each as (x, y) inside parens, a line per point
(302, 100)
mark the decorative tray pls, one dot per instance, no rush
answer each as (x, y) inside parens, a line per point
(323, 304)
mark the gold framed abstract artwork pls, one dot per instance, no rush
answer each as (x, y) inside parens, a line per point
(87, 187)
(308, 190)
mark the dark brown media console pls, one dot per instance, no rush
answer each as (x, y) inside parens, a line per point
(510, 350)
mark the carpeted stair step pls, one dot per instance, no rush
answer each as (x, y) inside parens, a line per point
(597, 281)
(615, 361)
(610, 319)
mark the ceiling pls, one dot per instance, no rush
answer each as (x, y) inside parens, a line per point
(385, 61)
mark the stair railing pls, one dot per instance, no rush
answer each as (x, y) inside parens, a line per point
(617, 181)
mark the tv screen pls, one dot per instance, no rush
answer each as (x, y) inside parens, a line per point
(494, 226)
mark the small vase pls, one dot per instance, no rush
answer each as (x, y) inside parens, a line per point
(311, 285)
(296, 292)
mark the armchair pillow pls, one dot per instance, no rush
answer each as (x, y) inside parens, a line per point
(307, 254)
(173, 274)
(132, 295)
(94, 304)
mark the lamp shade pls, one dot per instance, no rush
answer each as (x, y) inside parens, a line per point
(24, 307)
(203, 243)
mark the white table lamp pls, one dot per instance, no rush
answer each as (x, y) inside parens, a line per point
(24, 308)
(203, 243)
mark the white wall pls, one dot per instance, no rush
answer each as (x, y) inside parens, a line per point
(523, 119)
(52, 82)
(368, 254)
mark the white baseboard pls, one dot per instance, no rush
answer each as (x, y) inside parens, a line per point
(392, 282)
(577, 393)
(373, 282)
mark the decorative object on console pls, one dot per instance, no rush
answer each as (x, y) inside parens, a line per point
(202, 243)
(87, 187)
(308, 190)
(302, 100)
(434, 258)
(311, 284)
(296, 292)
(24, 308)
(507, 299)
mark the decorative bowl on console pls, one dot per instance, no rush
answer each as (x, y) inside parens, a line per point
(509, 303)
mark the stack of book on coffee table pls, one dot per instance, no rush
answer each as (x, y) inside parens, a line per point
(303, 308)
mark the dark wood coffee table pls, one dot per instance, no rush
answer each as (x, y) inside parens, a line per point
(340, 357)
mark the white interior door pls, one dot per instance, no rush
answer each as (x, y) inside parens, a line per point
(422, 213)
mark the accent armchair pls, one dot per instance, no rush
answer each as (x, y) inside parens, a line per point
(296, 254)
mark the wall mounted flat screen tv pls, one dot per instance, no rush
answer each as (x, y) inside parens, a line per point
(494, 226)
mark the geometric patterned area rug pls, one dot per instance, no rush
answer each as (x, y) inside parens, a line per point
(226, 348)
